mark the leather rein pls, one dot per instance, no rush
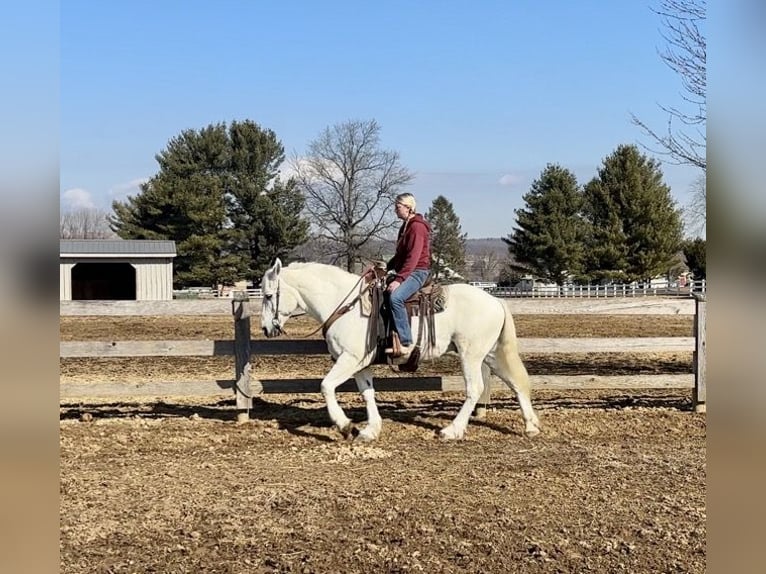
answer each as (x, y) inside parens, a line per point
(342, 309)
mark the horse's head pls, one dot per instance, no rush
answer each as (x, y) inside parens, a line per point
(279, 301)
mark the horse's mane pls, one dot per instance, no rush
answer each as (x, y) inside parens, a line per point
(323, 268)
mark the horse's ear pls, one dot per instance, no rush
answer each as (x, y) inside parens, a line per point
(277, 266)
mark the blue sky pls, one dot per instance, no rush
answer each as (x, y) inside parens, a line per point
(477, 97)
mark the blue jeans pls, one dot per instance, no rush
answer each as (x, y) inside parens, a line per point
(406, 290)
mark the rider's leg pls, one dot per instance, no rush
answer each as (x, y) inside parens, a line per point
(406, 290)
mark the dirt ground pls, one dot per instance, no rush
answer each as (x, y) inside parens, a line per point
(615, 482)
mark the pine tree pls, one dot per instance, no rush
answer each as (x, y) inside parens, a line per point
(634, 227)
(547, 241)
(694, 252)
(447, 239)
(606, 255)
(263, 209)
(218, 195)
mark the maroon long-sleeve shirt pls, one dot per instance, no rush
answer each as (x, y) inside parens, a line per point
(413, 248)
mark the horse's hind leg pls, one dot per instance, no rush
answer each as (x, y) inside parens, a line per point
(473, 390)
(374, 423)
(513, 372)
(480, 412)
(344, 368)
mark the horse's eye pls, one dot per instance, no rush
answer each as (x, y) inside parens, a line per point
(267, 297)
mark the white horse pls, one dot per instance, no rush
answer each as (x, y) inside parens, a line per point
(474, 324)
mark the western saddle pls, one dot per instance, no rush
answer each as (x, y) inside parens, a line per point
(424, 304)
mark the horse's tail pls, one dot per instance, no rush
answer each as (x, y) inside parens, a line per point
(507, 355)
(512, 371)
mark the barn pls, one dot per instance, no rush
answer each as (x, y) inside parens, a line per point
(116, 269)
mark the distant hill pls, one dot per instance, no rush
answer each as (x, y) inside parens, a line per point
(474, 247)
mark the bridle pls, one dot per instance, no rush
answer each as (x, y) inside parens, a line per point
(339, 311)
(275, 319)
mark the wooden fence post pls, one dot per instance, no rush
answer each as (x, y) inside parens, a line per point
(240, 308)
(699, 396)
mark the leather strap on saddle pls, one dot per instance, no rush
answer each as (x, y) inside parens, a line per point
(423, 305)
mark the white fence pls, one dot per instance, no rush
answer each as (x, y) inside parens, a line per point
(209, 293)
(656, 289)
(242, 347)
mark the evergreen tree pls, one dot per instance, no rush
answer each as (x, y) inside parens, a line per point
(547, 240)
(695, 254)
(634, 227)
(606, 254)
(264, 210)
(447, 239)
(218, 195)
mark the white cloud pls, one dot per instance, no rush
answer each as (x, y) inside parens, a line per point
(77, 198)
(510, 179)
(306, 167)
(123, 190)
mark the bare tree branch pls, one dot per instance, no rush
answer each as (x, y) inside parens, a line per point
(85, 223)
(685, 141)
(486, 265)
(350, 183)
(696, 209)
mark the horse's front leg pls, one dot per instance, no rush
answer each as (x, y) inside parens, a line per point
(374, 423)
(344, 368)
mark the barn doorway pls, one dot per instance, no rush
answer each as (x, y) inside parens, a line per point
(103, 281)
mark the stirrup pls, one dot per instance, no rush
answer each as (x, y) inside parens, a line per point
(395, 350)
(399, 353)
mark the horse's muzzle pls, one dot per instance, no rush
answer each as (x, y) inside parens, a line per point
(276, 331)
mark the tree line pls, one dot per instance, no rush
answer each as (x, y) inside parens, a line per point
(232, 202)
(621, 226)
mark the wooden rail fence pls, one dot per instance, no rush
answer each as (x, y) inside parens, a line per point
(244, 386)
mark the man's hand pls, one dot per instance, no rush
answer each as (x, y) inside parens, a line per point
(393, 286)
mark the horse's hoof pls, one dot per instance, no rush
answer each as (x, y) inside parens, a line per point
(347, 431)
(363, 437)
(448, 433)
(532, 432)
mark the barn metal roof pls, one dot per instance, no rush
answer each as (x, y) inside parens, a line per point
(116, 248)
